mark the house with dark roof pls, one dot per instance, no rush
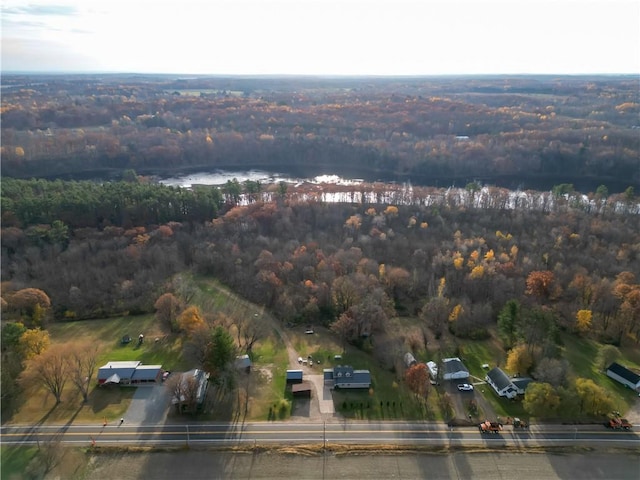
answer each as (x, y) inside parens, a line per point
(454, 369)
(131, 373)
(521, 384)
(501, 383)
(623, 375)
(346, 377)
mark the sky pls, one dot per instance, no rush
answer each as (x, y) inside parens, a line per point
(322, 37)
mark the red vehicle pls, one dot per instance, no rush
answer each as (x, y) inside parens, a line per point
(618, 423)
(490, 427)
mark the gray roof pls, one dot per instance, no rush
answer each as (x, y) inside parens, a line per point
(521, 382)
(346, 374)
(500, 379)
(146, 372)
(625, 373)
(453, 365)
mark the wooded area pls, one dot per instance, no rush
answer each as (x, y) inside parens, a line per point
(529, 132)
(468, 264)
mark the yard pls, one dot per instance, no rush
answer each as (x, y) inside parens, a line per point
(38, 406)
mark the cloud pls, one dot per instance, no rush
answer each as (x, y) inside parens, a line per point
(40, 10)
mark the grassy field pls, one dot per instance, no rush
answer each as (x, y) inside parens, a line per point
(38, 405)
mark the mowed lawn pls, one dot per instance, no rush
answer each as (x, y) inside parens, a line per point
(38, 405)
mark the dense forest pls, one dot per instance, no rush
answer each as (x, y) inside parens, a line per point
(532, 132)
(475, 262)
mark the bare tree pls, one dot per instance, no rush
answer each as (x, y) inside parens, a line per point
(49, 369)
(82, 362)
(249, 330)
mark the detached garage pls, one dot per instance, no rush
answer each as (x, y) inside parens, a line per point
(454, 369)
(624, 376)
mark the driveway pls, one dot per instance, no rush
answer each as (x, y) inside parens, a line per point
(149, 404)
(461, 400)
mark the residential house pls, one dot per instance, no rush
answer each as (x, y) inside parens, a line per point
(193, 391)
(454, 369)
(131, 373)
(623, 375)
(346, 377)
(521, 384)
(501, 383)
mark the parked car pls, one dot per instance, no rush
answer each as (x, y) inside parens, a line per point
(465, 387)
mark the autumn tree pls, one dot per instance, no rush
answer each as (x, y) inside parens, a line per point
(594, 400)
(519, 359)
(82, 361)
(417, 378)
(168, 308)
(50, 369)
(191, 320)
(541, 399)
(541, 284)
(33, 342)
(32, 303)
(583, 320)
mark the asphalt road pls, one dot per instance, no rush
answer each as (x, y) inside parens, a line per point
(321, 434)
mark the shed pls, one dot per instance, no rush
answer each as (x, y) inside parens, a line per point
(433, 370)
(243, 362)
(623, 375)
(454, 369)
(301, 390)
(294, 376)
(409, 359)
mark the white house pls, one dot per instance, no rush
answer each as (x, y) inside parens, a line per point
(454, 369)
(624, 376)
(501, 383)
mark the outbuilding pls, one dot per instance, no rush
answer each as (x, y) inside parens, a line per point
(409, 359)
(301, 390)
(454, 369)
(623, 375)
(294, 376)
